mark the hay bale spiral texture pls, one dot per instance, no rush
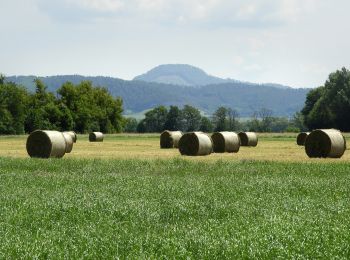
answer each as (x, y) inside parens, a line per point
(46, 144)
(73, 135)
(170, 139)
(96, 137)
(325, 143)
(225, 142)
(195, 144)
(301, 138)
(69, 141)
(248, 139)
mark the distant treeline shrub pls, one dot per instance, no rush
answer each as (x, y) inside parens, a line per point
(189, 119)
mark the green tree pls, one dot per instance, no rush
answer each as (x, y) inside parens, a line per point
(191, 118)
(174, 119)
(329, 105)
(320, 116)
(141, 126)
(43, 110)
(92, 108)
(130, 125)
(206, 125)
(155, 119)
(232, 119)
(298, 121)
(337, 99)
(2, 79)
(220, 121)
(311, 98)
(266, 120)
(13, 107)
(254, 123)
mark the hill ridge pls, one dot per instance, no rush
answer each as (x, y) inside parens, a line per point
(140, 95)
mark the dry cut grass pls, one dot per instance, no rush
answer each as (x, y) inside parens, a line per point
(271, 147)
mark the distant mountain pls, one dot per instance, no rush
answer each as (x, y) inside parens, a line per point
(179, 74)
(138, 96)
(187, 75)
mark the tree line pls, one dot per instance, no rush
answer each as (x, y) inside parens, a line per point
(85, 108)
(190, 119)
(82, 108)
(327, 106)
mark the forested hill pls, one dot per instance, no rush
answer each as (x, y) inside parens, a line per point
(180, 74)
(187, 75)
(138, 96)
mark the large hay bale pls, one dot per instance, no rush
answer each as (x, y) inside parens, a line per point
(73, 134)
(46, 144)
(323, 143)
(170, 139)
(195, 143)
(301, 138)
(225, 142)
(96, 137)
(248, 139)
(69, 141)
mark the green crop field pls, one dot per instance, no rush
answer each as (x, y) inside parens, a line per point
(127, 198)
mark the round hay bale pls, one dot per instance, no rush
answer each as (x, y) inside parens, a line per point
(96, 137)
(69, 141)
(46, 144)
(170, 139)
(325, 143)
(195, 144)
(73, 134)
(248, 139)
(225, 142)
(301, 138)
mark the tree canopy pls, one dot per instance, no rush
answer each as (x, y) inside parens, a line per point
(80, 107)
(329, 106)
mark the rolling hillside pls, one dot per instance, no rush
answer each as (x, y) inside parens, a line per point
(141, 95)
(187, 75)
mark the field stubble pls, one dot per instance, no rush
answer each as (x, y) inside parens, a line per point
(271, 147)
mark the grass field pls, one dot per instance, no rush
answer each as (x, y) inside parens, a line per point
(127, 198)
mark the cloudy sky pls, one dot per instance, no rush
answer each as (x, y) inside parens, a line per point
(292, 42)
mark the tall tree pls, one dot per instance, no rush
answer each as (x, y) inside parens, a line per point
(13, 108)
(191, 118)
(174, 119)
(298, 121)
(232, 119)
(266, 120)
(155, 119)
(43, 110)
(130, 125)
(329, 105)
(92, 108)
(220, 119)
(206, 125)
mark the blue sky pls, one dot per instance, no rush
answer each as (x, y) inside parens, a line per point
(292, 42)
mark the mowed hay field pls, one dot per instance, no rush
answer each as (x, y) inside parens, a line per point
(271, 147)
(127, 198)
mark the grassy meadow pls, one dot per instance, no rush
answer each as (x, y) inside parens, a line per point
(127, 198)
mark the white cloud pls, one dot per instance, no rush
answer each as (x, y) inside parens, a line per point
(253, 67)
(212, 13)
(98, 5)
(294, 42)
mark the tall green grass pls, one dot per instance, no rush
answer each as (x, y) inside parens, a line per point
(173, 209)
